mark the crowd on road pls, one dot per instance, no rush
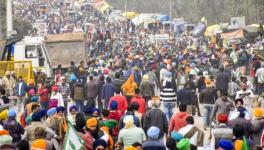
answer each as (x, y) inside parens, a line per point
(135, 95)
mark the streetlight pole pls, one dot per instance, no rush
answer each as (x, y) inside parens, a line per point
(126, 16)
(171, 16)
(9, 17)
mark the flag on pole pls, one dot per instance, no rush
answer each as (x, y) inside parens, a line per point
(72, 141)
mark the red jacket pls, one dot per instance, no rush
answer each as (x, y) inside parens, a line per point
(115, 115)
(43, 94)
(141, 101)
(178, 121)
(121, 103)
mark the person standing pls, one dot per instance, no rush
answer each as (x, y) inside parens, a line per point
(155, 117)
(130, 133)
(117, 81)
(182, 78)
(207, 97)
(137, 98)
(222, 80)
(21, 90)
(65, 91)
(247, 96)
(108, 91)
(257, 126)
(222, 105)
(168, 98)
(77, 94)
(43, 93)
(260, 78)
(99, 85)
(8, 83)
(179, 119)
(57, 95)
(13, 127)
(193, 133)
(91, 88)
(153, 78)
(129, 87)
(186, 96)
(153, 143)
(221, 131)
(121, 102)
(147, 88)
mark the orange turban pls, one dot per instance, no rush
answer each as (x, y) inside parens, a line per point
(91, 122)
(38, 144)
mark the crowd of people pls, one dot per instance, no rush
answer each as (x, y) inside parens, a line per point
(135, 95)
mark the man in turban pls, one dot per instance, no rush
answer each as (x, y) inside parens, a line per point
(91, 129)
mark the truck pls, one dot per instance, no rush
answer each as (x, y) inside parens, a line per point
(47, 53)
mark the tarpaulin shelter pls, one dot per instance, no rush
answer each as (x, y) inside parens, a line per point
(130, 14)
(212, 30)
(142, 18)
(163, 18)
(238, 34)
(253, 28)
(199, 28)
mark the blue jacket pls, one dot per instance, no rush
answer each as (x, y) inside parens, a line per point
(108, 91)
(23, 89)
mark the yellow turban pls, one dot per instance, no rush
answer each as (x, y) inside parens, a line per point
(91, 122)
(3, 115)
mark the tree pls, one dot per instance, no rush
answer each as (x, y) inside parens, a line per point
(215, 11)
(21, 26)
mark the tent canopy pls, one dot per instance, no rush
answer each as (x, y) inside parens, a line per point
(142, 18)
(163, 18)
(130, 14)
(238, 34)
(212, 30)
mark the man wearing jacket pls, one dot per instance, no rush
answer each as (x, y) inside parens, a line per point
(207, 97)
(155, 117)
(108, 91)
(21, 90)
(179, 119)
(91, 88)
(186, 96)
(121, 102)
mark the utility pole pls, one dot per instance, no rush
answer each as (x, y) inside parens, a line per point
(126, 16)
(171, 16)
(1, 26)
(9, 18)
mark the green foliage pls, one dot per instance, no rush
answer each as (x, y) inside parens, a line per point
(21, 26)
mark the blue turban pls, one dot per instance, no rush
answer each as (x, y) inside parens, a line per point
(60, 108)
(113, 105)
(226, 144)
(43, 112)
(88, 109)
(34, 99)
(36, 116)
(73, 107)
(12, 113)
(51, 111)
(99, 142)
(153, 132)
(176, 136)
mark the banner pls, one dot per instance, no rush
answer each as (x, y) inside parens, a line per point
(72, 140)
(238, 34)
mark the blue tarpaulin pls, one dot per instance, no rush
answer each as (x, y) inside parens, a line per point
(163, 18)
(199, 28)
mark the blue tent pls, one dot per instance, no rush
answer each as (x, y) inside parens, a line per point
(163, 18)
(199, 29)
